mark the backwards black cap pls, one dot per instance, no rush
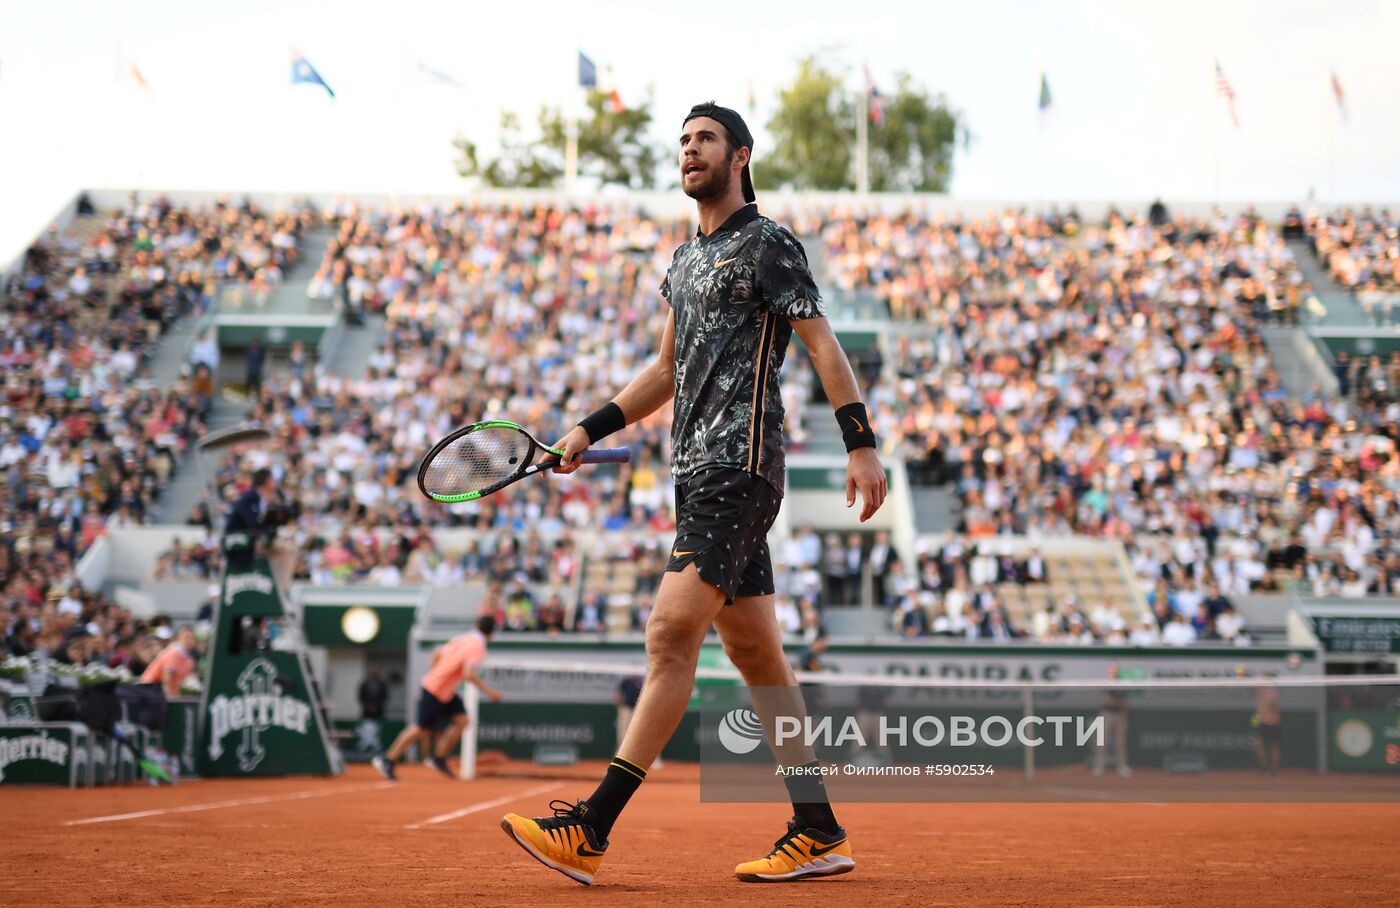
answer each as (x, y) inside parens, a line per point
(731, 121)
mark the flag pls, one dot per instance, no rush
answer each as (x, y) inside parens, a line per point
(874, 99)
(303, 71)
(1044, 93)
(1340, 95)
(1224, 89)
(587, 72)
(137, 77)
(615, 102)
(127, 70)
(438, 76)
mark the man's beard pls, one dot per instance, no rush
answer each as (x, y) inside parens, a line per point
(716, 184)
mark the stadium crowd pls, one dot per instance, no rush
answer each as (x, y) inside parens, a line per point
(1104, 379)
(87, 437)
(1115, 383)
(1361, 251)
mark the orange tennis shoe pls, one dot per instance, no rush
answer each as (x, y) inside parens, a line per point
(563, 842)
(799, 854)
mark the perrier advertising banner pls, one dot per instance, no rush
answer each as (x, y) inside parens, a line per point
(260, 713)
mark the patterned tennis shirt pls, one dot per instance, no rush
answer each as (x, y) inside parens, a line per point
(734, 293)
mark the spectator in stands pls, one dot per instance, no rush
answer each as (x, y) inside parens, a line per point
(835, 570)
(788, 615)
(1230, 625)
(881, 558)
(995, 626)
(205, 351)
(1203, 623)
(551, 614)
(588, 617)
(1178, 631)
(855, 567)
(1146, 633)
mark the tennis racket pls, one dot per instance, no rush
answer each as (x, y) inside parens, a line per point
(486, 457)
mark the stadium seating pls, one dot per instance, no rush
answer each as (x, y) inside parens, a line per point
(1065, 379)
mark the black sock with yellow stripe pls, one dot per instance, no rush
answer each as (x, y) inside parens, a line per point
(621, 781)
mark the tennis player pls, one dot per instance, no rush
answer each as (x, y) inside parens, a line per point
(440, 708)
(737, 291)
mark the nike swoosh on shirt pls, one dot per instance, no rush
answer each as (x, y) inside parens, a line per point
(675, 554)
(726, 262)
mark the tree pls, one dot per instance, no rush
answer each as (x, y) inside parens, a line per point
(813, 132)
(613, 147)
(911, 150)
(814, 135)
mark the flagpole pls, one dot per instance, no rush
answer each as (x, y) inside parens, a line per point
(571, 151)
(571, 128)
(1040, 115)
(1215, 139)
(863, 142)
(1331, 152)
(1040, 161)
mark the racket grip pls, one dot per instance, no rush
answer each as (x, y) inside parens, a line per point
(607, 455)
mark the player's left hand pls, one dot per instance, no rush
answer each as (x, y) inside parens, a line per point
(494, 696)
(573, 444)
(865, 474)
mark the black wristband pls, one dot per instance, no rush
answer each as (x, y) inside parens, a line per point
(855, 426)
(603, 422)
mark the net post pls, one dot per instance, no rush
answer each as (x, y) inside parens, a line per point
(1028, 699)
(467, 769)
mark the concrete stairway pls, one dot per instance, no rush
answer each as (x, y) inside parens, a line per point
(861, 305)
(824, 435)
(170, 355)
(936, 508)
(352, 351)
(1343, 311)
(186, 486)
(1300, 365)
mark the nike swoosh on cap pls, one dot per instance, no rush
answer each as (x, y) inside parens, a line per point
(726, 262)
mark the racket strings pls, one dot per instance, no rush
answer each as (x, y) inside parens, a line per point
(476, 461)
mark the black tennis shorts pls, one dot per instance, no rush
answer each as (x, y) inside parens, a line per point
(435, 715)
(722, 521)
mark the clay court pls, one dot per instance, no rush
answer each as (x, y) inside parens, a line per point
(428, 840)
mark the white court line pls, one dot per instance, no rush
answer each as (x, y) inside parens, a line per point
(216, 805)
(1098, 795)
(497, 802)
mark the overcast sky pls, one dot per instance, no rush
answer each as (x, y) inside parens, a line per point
(1135, 112)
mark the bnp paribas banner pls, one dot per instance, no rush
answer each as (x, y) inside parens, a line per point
(261, 711)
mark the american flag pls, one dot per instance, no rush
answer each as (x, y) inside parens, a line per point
(1223, 88)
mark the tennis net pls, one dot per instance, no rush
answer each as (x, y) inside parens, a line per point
(1259, 737)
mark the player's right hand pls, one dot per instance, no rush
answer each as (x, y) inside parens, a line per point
(573, 444)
